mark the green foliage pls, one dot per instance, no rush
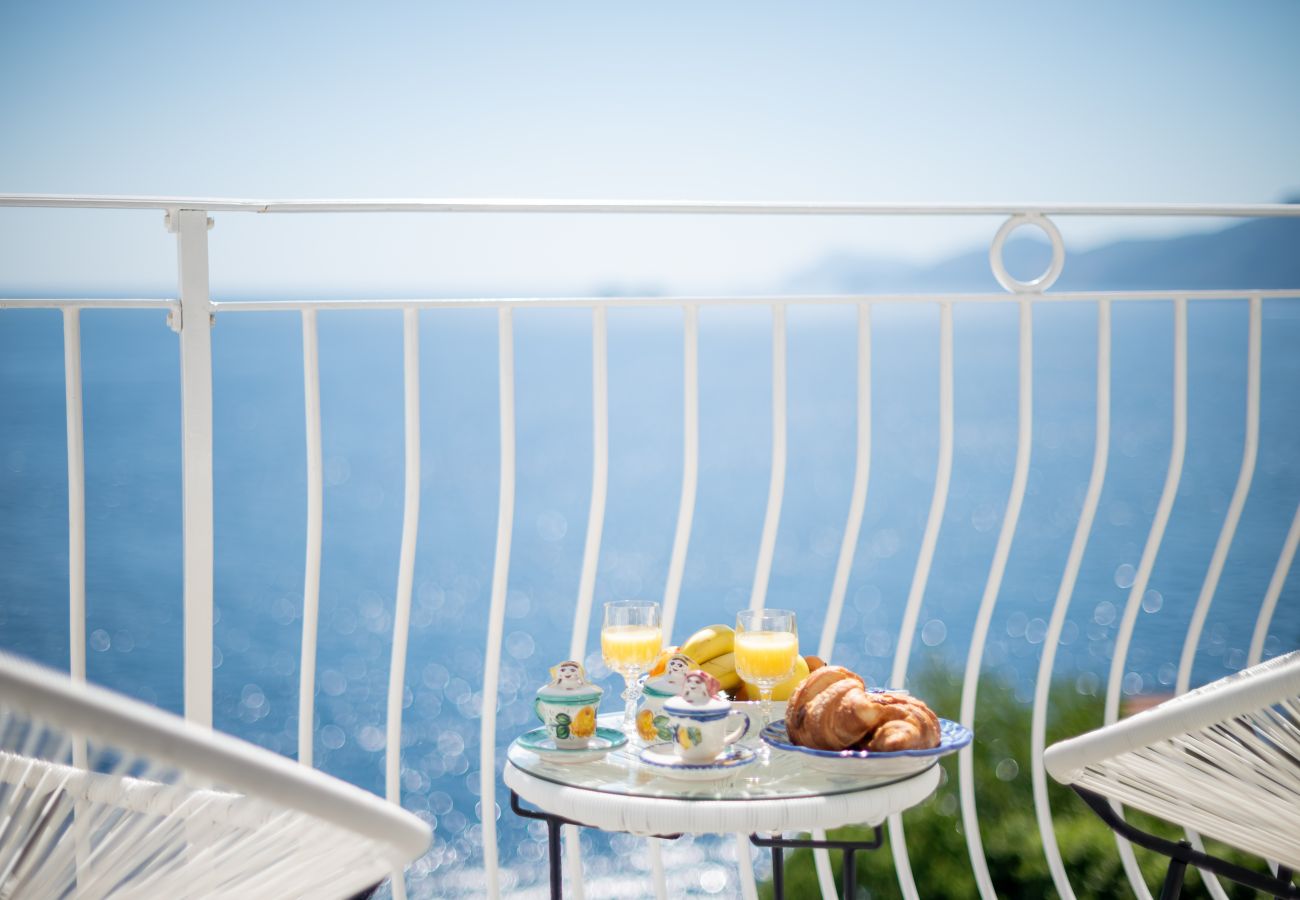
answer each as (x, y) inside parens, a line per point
(1004, 801)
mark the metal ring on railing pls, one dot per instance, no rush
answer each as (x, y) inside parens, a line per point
(1042, 282)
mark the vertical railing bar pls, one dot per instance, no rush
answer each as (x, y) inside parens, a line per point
(690, 465)
(311, 577)
(858, 498)
(1147, 562)
(776, 486)
(657, 875)
(975, 656)
(1250, 452)
(406, 572)
(745, 865)
(1274, 591)
(848, 547)
(595, 527)
(76, 440)
(191, 226)
(497, 609)
(930, 538)
(1092, 497)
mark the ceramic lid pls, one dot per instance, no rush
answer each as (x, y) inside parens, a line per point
(587, 694)
(682, 707)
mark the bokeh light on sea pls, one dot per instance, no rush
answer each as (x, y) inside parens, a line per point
(133, 506)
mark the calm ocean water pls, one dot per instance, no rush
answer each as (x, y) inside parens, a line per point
(132, 422)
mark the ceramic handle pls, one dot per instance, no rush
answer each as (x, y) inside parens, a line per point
(740, 731)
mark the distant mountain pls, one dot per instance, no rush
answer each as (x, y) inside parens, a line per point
(1258, 253)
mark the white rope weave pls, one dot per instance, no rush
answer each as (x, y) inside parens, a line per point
(1223, 760)
(137, 815)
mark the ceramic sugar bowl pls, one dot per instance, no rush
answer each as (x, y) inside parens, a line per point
(701, 725)
(651, 722)
(567, 705)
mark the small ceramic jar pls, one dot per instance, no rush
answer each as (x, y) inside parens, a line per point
(651, 723)
(567, 706)
(699, 722)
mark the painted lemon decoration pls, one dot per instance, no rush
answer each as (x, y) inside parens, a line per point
(584, 723)
(645, 725)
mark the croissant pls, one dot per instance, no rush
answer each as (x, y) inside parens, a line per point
(833, 710)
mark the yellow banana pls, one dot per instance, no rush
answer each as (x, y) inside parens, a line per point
(723, 668)
(710, 643)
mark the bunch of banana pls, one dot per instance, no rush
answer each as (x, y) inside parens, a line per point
(713, 649)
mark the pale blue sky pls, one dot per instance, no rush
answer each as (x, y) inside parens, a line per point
(845, 101)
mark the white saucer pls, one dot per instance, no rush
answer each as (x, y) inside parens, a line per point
(663, 760)
(539, 741)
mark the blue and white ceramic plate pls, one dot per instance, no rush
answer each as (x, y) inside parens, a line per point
(952, 737)
(540, 741)
(663, 760)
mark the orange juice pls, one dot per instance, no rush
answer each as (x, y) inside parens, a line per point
(766, 656)
(630, 647)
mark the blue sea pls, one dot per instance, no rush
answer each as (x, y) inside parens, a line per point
(133, 505)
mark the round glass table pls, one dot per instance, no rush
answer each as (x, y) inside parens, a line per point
(779, 792)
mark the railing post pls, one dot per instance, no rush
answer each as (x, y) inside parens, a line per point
(191, 229)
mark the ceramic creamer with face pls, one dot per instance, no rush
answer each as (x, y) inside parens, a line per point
(567, 706)
(702, 725)
(651, 723)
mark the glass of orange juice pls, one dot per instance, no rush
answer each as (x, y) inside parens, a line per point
(630, 640)
(767, 644)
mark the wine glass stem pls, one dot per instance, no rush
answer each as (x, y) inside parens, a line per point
(765, 702)
(631, 694)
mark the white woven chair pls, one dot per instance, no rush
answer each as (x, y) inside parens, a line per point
(1222, 760)
(102, 796)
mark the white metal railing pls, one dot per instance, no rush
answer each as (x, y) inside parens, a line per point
(191, 314)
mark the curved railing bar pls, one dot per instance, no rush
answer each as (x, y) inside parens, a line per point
(975, 657)
(497, 608)
(1274, 590)
(848, 549)
(858, 499)
(685, 517)
(678, 207)
(1038, 728)
(767, 545)
(406, 572)
(1250, 452)
(930, 538)
(595, 529)
(1147, 563)
(599, 482)
(690, 464)
(776, 486)
(311, 576)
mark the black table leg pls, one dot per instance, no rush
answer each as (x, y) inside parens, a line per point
(778, 873)
(780, 843)
(554, 857)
